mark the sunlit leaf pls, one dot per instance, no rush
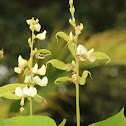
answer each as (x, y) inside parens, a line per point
(84, 76)
(63, 122)
(10, 95)
(62, 35)
(59, 65)
(116, 120)
(28, 121)
(101, 56)
(60, 79)
(7, 91)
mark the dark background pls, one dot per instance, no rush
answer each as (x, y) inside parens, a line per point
(104, 29)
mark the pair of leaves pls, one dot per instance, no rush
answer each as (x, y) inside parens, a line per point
(116, 120)
(82, 81)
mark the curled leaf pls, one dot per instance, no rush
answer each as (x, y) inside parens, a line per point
(84, 76)
(60, 79)
(62, 35)
(59, 65)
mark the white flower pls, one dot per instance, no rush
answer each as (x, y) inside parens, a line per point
(37, 27)
(42, 35)
(32, 91)
(81, 50)
(44, 81)
(19, 92)
(21, 61)
(89, 55)
(42, 70)
(41, 82)
(35, 68)
(32, 21)
(18, 70)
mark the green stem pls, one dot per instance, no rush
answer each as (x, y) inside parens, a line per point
(77, 105)
(31, 73)
(30, 106)
(77, 96)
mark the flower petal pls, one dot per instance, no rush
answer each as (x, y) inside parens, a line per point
(34, 92)
(37, 27)
(42, 70)
(19, 92)
(25, 91)
(27, 79)
(81, 50)
(36, 79)
(35, 68)
(42, 35)
(21, 61)
(18, 70)
(44, 81)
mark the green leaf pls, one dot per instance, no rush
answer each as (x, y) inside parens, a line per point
(60, 79)
(7, 91)
(59, 65)
(28, 121)
(62, 35)
(101, 56)
(84, 76)
(10, 95)
(38, 98)
(116, 120)
(45, 51)
(63, 122)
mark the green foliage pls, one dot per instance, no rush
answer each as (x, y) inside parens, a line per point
(116, 120)
(28, 121)
(59, 65)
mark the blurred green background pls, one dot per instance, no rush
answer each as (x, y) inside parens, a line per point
(104, 29)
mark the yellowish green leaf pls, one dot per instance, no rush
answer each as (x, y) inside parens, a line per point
(59, 65)
(61, 79)
(62, 35)
(84, 76)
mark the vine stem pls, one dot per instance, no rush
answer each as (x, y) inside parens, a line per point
(77, 105)
(77, 96)
(30, 107)
(31, 67)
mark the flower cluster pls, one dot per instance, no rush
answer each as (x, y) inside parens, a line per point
(31, 72)
(84, 54)
(35, 26)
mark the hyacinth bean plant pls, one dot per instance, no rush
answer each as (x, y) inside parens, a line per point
(80, 54)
